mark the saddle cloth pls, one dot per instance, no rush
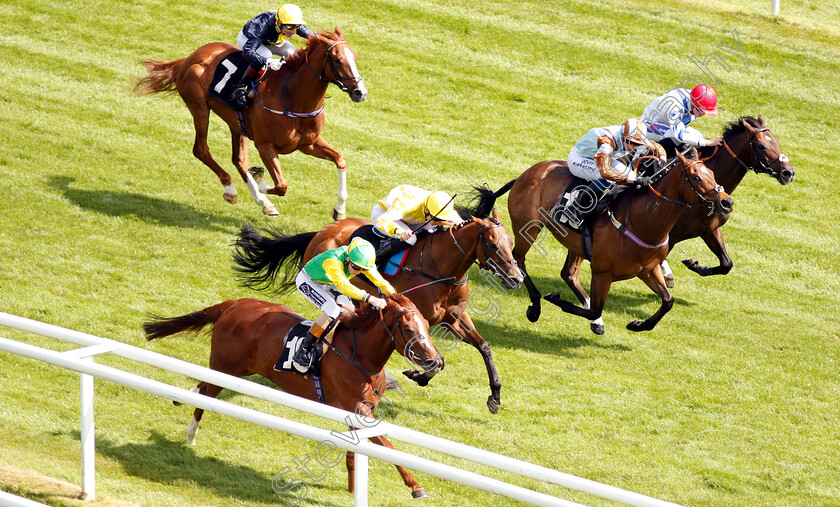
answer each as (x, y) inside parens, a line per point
(292, 342)
(228, 75)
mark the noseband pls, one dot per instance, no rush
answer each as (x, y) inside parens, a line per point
(331, 62)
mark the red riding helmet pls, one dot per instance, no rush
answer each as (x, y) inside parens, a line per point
(705, 98)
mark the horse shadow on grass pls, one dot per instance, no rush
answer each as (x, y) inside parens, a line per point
(147, 209)
(165, 461)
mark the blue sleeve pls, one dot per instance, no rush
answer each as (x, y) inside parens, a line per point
(304, 31)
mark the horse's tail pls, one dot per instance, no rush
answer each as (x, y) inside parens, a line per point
(194, 322)
(483, 200)
(502, 191)
(161, 77)
(260, 259)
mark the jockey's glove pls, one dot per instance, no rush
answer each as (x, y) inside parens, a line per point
(275, 63)
(643, 181)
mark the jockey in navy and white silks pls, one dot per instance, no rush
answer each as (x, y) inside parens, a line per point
(265, 35)
(668, 116)
(604, 156)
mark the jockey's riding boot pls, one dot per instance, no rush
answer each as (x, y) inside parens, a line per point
(608, 197)
(240, 94)
(389, 248)
(583, 202)
(303, 356)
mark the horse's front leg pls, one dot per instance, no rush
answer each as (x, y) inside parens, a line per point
(417, 490)
(321, 149)
(240, 160)
(653, 278)
(269, 156)
(714, 240)
(593, 306)
(464, 330)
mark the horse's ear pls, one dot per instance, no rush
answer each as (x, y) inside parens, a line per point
(695, 155)
(496, 216)
(761, 121)
(747, 125)
(682, 159)
(339, 33)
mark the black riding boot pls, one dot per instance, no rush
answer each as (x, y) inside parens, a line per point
(303, 356)
(240, 94)
(389, 248)
(585, 199)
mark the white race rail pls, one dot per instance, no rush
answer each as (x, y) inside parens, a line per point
(355, 441)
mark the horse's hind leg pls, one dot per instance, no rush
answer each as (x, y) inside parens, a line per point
(524, 240)
(571, 275)
(656, 282)
(201, 150)
(207, 390)
(239, 144)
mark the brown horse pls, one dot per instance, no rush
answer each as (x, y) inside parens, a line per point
(286, 115)
(748, 145)
(247, 340)
(443, 255)
(629, 241)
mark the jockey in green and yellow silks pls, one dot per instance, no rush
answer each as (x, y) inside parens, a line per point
(325, 282)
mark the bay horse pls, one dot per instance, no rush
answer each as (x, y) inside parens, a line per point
(629, 241)
(270, 261)
(247, 340)
(748, 145)
(287, 113)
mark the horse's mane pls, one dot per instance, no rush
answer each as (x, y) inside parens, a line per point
(732, 129)
(324, 37)
(368, 316)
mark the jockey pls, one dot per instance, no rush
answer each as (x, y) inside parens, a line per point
(603, 156)
(398, 215)
(264, 35)
(668, 116)
(325, 282)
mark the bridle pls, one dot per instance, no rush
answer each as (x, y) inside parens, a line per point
(765, 167)
(485, 248)
(391, 334)
(704, 201)
(338, 81)
(331, 62)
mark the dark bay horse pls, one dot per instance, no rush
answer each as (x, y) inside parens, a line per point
(275, 260)
(748, 145)
(630, 242)
(286, 114)
(247, 340)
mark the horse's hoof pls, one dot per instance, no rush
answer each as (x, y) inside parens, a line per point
(422, 380)
(597, 328)
(419, 493)
(338, 216)
(256, 171)
(533, 313)
(231, 198)
(691, 263)
(552, 297)
(269, 209)
(669, 282)
(636, 326)
(281, 191)
(492, 405)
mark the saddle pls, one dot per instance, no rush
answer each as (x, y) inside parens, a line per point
(228, 75)
(292, 341)
(389, 267)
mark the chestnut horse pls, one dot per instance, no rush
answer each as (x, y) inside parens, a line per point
(629, 241)
(443, 255)
(287, 113)
(247, 340)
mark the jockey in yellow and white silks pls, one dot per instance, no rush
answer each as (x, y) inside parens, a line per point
(603, 156)
(400, 214)
(325, 282)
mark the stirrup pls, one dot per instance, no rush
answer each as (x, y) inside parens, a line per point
(240, 96)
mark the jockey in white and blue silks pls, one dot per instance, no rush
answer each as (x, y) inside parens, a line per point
(668, 116)
(603, 156)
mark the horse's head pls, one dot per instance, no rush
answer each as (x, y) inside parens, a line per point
(765, 154)
(700, 188)
(494, 250)
(336, 63)
(409, 332)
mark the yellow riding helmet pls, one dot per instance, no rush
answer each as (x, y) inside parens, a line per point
(362, 254)
(289, 14)
(633, 133)
(439, 204)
